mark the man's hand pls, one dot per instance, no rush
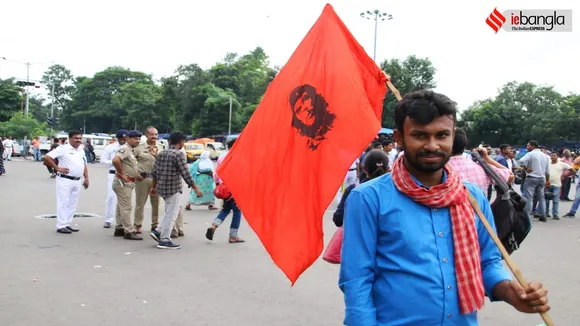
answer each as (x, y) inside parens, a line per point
(123, 177)
(153, 191)
(62, 170)
(86, 183)
(139, 178)
(198, 193)
(154, 150)
(532, 301)
(483, 152)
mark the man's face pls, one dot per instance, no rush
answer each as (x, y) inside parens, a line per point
(388, 148)
(304, 110)
(427, 147)
(554, 157)
(506, 152)
(133, 141)
(152, 135)
(75, 140)
(180, 144)
(529, 147)
(122, 140)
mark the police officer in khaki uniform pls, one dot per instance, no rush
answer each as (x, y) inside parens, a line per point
(146, 155)
(127, 173)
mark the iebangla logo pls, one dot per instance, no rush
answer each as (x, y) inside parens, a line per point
(495, 20)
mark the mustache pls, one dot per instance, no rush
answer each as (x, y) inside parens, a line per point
(430, 154)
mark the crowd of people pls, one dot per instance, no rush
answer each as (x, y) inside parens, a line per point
(149, 171)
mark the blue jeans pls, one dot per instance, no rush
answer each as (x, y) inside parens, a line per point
(576, 203)
(36, 154)
(230, 205)
(556, 200)
(534, 187)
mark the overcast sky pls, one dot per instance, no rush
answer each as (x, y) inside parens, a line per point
(472, 61)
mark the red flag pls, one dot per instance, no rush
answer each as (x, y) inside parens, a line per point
(315, 119)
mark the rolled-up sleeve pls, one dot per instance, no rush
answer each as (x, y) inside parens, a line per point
(503, 173)
(357, 269)
(493, 271)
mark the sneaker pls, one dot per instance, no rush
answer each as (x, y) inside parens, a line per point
(119, 233)
(555, 217)
(155, 236)
(548, 215)
(132, 236)
(168, 245)
(570, 215)
(107, 225)
(209, 233)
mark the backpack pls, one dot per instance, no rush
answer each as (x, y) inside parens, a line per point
(512, 222)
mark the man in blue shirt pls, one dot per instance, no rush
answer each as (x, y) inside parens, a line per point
(414, 252)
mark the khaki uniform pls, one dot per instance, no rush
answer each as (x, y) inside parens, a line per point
(124, 190)
(146, 161)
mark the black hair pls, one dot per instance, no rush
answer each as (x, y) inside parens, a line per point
(74, 133)
(387, 142)
(377, 145)
(534, 143)
(376, 163)
(176, 138)
(423, 107)
(459, 142)
(503, 147)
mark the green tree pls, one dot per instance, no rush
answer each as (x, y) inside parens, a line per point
(10, 99)
(18, 126)
(214, 117)
(64, 85)
(408, 75)
(139, 100)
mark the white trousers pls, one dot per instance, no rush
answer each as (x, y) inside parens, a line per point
(7, 153)
(350, 179)
(111, 202)
(171, 211)
(67, 199)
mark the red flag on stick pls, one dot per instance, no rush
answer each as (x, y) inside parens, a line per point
(315, 119)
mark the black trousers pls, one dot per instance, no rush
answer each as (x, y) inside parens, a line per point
(566, 185)
(489, 192)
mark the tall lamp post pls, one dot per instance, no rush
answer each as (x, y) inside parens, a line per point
(376, 15)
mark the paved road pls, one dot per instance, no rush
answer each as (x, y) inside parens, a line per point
(88, 279)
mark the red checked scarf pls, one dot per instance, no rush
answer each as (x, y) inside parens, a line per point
(452, 194)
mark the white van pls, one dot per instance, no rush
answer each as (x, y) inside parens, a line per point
(99, 143)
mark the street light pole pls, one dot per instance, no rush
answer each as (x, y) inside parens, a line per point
(230, 123)
(27, 79)
(376, 15)
(52, 109)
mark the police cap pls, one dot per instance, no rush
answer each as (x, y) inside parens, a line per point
(134, 133)
(122, 133)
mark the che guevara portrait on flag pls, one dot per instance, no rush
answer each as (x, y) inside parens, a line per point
(310, 115)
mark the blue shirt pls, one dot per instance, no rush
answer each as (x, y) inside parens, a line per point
(397, 259)
(502, 160)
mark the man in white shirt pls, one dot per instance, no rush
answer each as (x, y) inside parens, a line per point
(107, 159)
(389, 148)
(72, 165)
(554, 184)
(8, 148)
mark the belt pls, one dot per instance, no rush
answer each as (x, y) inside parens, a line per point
(68, 177)
(112, 171)
(352, 169)
(145, 175)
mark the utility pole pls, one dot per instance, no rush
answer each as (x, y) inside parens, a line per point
(84, 126)
(376, 15)
(52, 110)
(230, 123)
(27, 80)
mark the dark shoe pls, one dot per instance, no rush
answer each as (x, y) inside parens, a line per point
(153, 228)
(155, 236)
(64, 230)
(209, 234)
(181, 233)
(548, 215)
(70, 228)
(132, 236)
(119, 233)
(555, 217)
(570, 215)
(168, 245)
(174, 235)
(542, 219)
(236, 240)
(107, 225)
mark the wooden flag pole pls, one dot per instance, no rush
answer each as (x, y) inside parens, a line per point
(511, 264)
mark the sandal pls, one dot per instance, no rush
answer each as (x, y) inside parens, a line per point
(236, 240)
(212, 208)
(209, 233)
(188, 207)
